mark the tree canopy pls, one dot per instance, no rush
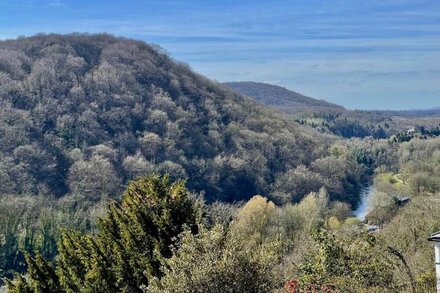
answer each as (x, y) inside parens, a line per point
(129, 247)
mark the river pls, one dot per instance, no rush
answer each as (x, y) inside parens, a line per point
(365, 194)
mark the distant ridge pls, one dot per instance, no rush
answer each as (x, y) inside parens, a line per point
(335, 119)
(282, 98)
(293, 102)
(413, 113)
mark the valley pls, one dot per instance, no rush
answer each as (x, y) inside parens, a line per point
(123, 170)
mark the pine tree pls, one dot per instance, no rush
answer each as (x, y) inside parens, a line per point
(128, 250)
(42, 279)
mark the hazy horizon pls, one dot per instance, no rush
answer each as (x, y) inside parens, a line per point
(369, 55)
(323, 99)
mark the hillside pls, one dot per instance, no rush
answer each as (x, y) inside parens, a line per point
(281, 98)
(84, 114)
(334, 119)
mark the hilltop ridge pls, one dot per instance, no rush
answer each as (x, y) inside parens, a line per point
(281, 98)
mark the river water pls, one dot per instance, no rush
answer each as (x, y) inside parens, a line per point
(362, 210)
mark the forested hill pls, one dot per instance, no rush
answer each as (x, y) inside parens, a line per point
(292, 102)
(282, 98)
(331, 118)
(83, 114)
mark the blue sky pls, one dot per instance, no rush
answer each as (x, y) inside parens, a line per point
(375, 54)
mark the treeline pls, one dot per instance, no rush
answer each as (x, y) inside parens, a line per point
(420, 132)
(313, 244)
(161, 238)
(350, 124)
(405, 206)
(32, 224)
(377, 124)
(417, 174)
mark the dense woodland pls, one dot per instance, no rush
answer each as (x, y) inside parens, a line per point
(376, 124)
(82, 115)
(122, 170)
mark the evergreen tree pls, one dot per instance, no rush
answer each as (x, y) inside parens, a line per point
(42, 279)
(128, 249)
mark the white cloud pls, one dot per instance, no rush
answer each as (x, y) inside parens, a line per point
(57, 3)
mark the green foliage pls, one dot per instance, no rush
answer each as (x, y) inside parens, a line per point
(44, 280)
(407, 232)
(418, 132)
(247, 254)
(253, 219)
(351, 265)
(218, 260)
(339, 174)
(420, 165)
(131, 242)
(31, 225)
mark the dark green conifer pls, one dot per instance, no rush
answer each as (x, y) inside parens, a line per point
(129, 247)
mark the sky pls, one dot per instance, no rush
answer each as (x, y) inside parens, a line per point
(375, 54)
